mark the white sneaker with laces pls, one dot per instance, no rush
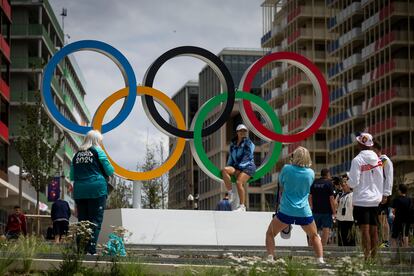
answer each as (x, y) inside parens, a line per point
(241, 208)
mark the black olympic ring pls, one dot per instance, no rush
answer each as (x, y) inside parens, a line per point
(219, 68)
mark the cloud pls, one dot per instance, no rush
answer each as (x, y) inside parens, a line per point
(142, 31)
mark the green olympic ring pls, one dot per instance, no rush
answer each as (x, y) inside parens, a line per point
(197, 146)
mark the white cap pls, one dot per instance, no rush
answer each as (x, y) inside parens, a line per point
(240, 127)
(365, 139)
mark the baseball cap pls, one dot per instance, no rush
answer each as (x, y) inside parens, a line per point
(240, 127)
(365, 139)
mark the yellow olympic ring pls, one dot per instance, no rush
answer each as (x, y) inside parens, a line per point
(167, 103)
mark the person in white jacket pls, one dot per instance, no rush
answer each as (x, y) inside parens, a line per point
(388, 172)
(366, 180)
(344, 216)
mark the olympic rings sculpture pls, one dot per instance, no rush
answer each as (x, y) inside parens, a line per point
(230, 96)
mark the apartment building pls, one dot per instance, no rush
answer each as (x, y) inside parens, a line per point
(35, 36)
(5, 17)
(296, 26)
(374, 77)
(183, 177)
(365, 51)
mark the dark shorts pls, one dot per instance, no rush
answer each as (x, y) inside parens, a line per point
(366, 215)
(323, 220)
(249, 170)
(294, 220)
(400, 228)
(13, 235)
(383, 209)
(60, 227)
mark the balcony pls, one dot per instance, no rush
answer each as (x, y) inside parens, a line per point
(395, 93)
(340, 169)
(342, 16)
(6, 8)
(66, 150)
(4, 132)
(398, 152)
(276, 92)
(353, 35)
(51, 14)
(4, 47)
(265, 38)
(313, 146)
(393, 66)
(23, 96)
(391, 124)
(317, 56)
(394, 37)
(58, 89)
(68, 102)
(350, 88)
(299, 101)
(5, 89)
(341, 142)
(346, 64)
(33, 30)
(353, 112)
(76, 91)
(29, 63)
(397, 8)
(294, 124)
(310, 33)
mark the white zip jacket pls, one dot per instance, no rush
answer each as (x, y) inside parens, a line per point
(388, 168)
(366, 179)
(345, 201)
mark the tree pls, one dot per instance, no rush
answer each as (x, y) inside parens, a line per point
(151, 192)
(120, 197)
(37, 146)
(163, 180)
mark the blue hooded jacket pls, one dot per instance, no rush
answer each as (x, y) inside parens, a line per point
(85, 171)
(241, 156)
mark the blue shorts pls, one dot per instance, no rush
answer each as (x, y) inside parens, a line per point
(294, 220)
(323, 220)
(249, 170)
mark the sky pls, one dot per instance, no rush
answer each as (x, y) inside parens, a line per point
(143, 30)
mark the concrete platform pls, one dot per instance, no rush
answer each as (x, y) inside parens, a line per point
(188, 227)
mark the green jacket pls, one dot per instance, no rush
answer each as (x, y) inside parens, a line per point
(87, 175)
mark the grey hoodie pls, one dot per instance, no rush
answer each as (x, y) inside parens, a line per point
(366, 179)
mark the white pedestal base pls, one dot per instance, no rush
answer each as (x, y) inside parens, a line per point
(188, 227)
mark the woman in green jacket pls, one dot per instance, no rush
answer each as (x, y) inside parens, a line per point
(89, 169)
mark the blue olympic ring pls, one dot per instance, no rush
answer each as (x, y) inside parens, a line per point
(117, 57)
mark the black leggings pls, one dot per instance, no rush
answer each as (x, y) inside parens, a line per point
(346, 236)
(92, 209)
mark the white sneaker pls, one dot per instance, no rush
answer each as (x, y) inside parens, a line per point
(286, 233)
(241, 208)
(231, 197)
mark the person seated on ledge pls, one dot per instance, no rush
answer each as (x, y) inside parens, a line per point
(295, 179)
(240, 164)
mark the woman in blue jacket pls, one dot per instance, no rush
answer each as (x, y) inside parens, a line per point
(89, 169)
(240, 164)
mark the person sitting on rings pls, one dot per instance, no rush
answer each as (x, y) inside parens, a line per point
(240, 164)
